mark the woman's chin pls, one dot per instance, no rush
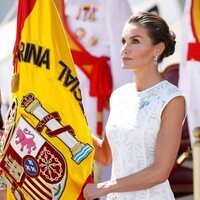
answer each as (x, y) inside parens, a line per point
(126, 67)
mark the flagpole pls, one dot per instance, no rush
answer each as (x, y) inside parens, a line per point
(196, 164)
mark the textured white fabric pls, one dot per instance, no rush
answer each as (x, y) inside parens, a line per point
(132, 130)
(189, 74)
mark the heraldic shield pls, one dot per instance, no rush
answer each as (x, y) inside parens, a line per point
(30, 162)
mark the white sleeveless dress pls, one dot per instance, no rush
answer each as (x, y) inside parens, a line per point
(132, 130)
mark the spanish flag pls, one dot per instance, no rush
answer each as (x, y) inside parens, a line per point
(47, 145)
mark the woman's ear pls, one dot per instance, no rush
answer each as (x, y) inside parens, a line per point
(159, 48)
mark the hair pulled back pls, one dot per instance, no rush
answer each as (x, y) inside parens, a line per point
(157, 30)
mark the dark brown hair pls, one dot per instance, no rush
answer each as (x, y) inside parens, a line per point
(157, 30)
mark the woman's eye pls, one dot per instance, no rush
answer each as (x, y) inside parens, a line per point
(123, 41)
(135, 41)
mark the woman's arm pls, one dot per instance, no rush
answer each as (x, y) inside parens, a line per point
(102, 150)
(167, 146)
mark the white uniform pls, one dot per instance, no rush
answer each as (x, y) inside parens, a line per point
(189, 75)
(7, 40)
(110, 17)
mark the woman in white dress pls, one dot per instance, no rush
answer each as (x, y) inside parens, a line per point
(143, 132)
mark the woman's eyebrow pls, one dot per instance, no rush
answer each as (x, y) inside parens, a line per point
(134, 36)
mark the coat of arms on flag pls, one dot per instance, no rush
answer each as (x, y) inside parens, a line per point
(47, 145)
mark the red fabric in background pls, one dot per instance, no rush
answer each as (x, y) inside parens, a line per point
(194, 51)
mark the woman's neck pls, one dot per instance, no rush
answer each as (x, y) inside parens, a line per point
(146, 80)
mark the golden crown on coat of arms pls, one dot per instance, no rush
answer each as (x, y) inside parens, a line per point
(27, 100)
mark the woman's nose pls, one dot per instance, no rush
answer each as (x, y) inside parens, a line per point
(125, 49)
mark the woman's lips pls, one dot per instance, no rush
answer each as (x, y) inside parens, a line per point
(126, 58)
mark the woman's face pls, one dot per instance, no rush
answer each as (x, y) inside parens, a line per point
(137, 49)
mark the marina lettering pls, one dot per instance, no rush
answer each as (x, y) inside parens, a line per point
(37, 55)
